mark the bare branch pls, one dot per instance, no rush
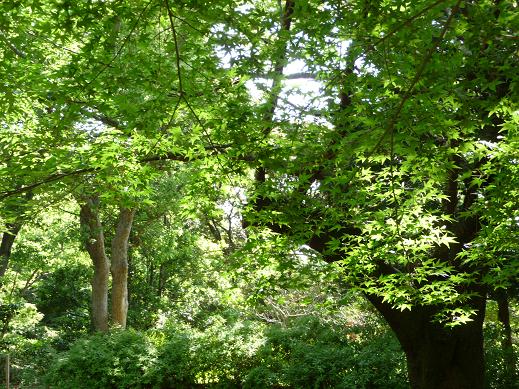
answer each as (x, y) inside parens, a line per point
(291, 76)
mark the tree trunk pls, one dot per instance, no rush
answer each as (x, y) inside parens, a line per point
(439, 357)
(119, 267)
(95, 246)
(162, 280)
(12, 230)
(6, 246)
(503, 315)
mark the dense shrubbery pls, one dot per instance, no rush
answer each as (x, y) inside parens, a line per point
(120, 359)
(498, 376)
(63, 297)
(309, 354)
(304, 354)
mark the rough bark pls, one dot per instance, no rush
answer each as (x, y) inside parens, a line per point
(6, 246)
(119, 267)
(95, 246)
(439, 357)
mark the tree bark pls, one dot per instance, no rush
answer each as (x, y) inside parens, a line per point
(439, 357)
(95, 246)
(12, 229)
(162, 280)
(6, 246)
(119, 267)
(503, 315)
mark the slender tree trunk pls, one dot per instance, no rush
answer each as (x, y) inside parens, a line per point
(119, 267)
(130, 278)
(162, 280)
(95, 246)
(439, 357)
(503, 315)
(6, 246)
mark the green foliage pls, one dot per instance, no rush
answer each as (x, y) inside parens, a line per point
(19, 318)
(116, 360)
(174, 368)
(501, 362)
(401, 168)
(63, 297)
(304, 354)
(22, 336)
(217, 357)
(49, 271)
(30, 360)
(309, 354)
(497, 373)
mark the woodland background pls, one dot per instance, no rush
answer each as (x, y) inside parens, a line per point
(299, 193)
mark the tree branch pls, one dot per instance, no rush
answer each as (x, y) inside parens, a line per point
(60, 176)
(13, 48)
(408, 21)
(177, 51)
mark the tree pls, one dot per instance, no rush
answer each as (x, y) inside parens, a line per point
(394, 187)
(117, 265)
(109, 132)
(6, 246)
(95, 246)
(397, 171)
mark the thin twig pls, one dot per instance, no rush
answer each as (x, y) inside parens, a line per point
(177, 51)
(183, 20)
(214, 148)
(407, 22)
(165, 127)
(391, 124)
(49, 179)
(13, 48)
(125, 41)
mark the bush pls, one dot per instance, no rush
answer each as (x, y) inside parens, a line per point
(29, 362)
(217, 357)
(305, 353)
(497, 374)
(310, 354)
(225, 352)
(119, 359)
(174, 366)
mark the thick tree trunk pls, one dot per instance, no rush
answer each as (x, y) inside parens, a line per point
(439, 357)
(95, 246)
(6, 246)
(119, 267)
(446, 359)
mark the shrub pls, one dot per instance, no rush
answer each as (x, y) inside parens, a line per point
(310, 354)
(119, 359)
(305, 353)
(218, 356)
(497, 373)
(173, 368)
